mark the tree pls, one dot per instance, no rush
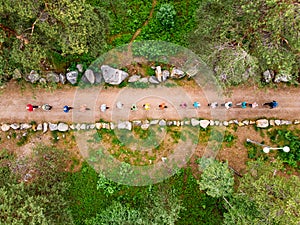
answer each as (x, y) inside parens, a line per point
(166, 15)
(265, 198)
(39, 200)
(33, 32)
(266, 31)
(216, 178)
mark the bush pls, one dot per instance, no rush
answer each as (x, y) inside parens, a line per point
(166, 15)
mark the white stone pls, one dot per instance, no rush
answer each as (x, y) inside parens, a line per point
(112, 126)
(162, 123)
(286, 122)
(195, 122)
(39, 126)
(15, 126)
(5, 127)
(262, 123)
(204, 123)
(145, 126)
(154, 122)
(225, 123)
(63, 127)
(272, 123)
(52, 126)
(211, 123)
(296, 121)
(246, 122)
(125, 125)
(277, 122)
(45, 127)
(98, 126)
(78, 126)
(83, 126)
(25, 126)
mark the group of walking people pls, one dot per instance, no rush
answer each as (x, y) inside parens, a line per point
(162, 106)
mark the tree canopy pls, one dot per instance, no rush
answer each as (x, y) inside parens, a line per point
(263, 34)
(32, 33)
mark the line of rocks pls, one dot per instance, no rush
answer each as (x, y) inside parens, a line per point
(145, 124)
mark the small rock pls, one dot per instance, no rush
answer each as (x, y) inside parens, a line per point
(15, 126)
(153, 80)
(134, 78)
(5, 127)
(98, 126)
(262, 123)
(145, 126)
(33, 127)
(52, 77)
(246, 122)
(268, 75)
(112, 126)
(125, 125)
(83, 126)
(52, 126)
(164, 159)
(211, 123)
(137, 123)
(39, 127)
(92, 126)
(165, 75)
(187, 122)
(33, 77)
(272, 123)
(177, 74)
(72, 127)
(204, 123)
(45, 127)
(277, 122)
(230, 122)
(25, 126)
(62, 127)
(162, 123)
(43, 81)
(154, 122)
(236, 122)
(251, 122)
(144, 80)
(169, 123)
(282, 78)
(286, 122)
(78, 125)
(113, 76)
(79, 67)
(87, 126)
(217, 122)
(72, 77)
(17, 74)
(296, 121)
(195, 122)
(225, 123)
(241, 124)
(62, 78)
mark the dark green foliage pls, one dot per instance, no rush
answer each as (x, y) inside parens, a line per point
(283, 137)
(166, 15)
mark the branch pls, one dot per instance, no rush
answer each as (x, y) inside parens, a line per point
(14, 33)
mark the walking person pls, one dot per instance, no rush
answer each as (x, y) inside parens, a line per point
(272, 104)
(67, 108)
(30, 107)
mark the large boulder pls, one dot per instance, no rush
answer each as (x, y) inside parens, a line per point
(33, 77)
(52, 77)
(177, 74)
(113, 76)
(89, 76)
(72, 77)
(262, 123)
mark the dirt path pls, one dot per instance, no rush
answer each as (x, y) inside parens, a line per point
(138, 31)
(13, 103)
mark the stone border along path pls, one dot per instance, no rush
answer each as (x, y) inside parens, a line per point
(145, 124)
